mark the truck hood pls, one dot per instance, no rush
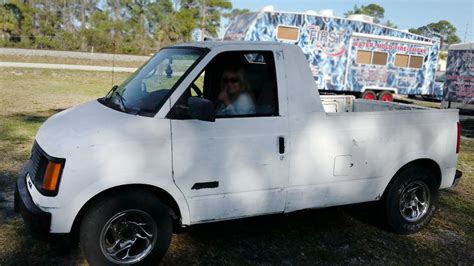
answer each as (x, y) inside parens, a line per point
(93, 124)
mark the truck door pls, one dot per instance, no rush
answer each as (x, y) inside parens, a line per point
(236, 166)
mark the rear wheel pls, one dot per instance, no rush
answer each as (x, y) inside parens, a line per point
(411, 201)
(386, 96)
(126, 229)
(369, 95)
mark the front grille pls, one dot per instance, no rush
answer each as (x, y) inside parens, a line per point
(37, 165)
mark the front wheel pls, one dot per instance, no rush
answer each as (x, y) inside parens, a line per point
(411, 201)
(126, 229)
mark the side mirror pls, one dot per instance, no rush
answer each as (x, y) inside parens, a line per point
(201, 109)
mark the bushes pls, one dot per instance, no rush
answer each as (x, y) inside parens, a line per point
(132, 27)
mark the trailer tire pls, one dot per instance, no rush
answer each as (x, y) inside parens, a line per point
(135, 219)
(411, 200)
(369, 95)
(385, 96)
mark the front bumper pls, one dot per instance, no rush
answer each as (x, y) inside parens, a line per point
(36, 220)
(457, 177)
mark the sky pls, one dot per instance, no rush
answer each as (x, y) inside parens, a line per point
(404, 13)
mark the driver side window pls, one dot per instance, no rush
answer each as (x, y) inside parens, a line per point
(238, 84)
(181, 108)
(198, 85)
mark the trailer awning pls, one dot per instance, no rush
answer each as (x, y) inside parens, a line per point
(389, 38)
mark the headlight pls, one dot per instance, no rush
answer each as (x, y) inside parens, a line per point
(51, 176)
(45, 171)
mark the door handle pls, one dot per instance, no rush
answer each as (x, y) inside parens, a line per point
(281, 145)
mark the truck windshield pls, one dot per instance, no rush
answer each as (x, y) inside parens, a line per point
(145, 91)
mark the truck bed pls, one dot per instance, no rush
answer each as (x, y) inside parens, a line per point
(348, 103)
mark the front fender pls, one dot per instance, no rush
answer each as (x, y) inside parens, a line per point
(64, 217)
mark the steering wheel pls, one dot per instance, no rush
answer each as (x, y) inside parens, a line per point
(196, 90)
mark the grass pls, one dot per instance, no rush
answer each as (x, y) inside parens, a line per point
(67, 60)
(340, 235)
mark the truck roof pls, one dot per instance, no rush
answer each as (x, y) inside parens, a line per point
(214, 44)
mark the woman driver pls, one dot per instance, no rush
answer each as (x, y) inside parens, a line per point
(235, 97)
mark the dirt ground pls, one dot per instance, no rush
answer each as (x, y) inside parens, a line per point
(340, 235)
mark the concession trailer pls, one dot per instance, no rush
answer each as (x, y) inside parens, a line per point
(349, 55)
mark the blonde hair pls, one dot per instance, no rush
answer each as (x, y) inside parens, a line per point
(244, 84)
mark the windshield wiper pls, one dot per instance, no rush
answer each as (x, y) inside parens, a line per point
(121, 100)
(113, 91)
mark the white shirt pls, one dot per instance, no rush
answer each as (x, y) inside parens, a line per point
(243, 105)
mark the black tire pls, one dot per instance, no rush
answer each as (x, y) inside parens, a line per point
(102, 212)
(406, 180)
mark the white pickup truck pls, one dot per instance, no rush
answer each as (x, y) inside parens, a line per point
(212, 131)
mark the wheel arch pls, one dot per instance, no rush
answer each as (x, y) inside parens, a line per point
(424, 163)
(160, 193)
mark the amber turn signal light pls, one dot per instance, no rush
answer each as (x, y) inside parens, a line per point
(51, 176)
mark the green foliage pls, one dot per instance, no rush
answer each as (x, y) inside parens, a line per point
(442, 29)
(415, 31)
(124, 26)
(162, 22)
(443, 55)
(207, 13)
(373, 10)
(8, 22)
(234, 13)
(186, 23)
(390, 24)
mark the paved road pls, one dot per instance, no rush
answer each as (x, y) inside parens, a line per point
(80, 55)
(67, 67)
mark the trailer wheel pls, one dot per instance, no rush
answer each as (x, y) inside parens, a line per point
(369, 95)
(126, 228)
(411, 200)
(386, 96)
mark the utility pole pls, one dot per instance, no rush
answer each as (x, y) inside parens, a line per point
(203, 19)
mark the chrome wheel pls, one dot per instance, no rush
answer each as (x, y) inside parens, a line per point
(128, 237)
(414, 201)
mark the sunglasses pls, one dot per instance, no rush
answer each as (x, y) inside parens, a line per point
(230, 80)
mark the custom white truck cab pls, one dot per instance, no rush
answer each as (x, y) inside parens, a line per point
(213, 131)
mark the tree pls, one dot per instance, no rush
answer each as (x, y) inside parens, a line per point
(185, 23)
(207, 13)
(442, 29)
(162, 23)
(97, 34)
(390, 24)
(235, 13)
(373, 10)
(127, 26)
(8, 23)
